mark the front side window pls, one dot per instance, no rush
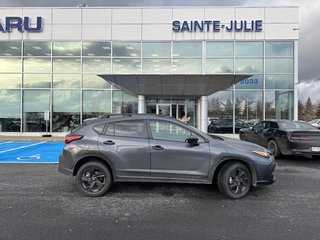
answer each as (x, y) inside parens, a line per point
(162, 130)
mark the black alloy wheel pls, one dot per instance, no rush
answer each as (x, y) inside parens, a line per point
(234, 180)
(273, 148)
(241, 136)
(93, 179)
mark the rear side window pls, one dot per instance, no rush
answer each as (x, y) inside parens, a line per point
(98, 128)
(134, 128)
(274, 125)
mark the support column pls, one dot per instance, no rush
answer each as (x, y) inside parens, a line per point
(141, 104)
(204, 113)
(198, 102)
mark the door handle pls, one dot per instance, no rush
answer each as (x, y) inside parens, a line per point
(157, 147)
(109, 142)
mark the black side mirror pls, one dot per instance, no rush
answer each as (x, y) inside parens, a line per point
(192, 140)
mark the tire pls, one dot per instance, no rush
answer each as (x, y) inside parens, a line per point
(242, 137)
(274, 148)
(234, 180)
(93, 179)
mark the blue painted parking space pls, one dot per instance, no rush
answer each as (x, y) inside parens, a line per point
(30, 152)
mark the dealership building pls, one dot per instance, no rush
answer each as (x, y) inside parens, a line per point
(60, 66)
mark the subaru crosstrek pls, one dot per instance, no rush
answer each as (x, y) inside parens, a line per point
(155, 148)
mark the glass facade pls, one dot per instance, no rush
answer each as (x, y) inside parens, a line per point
(62, 77)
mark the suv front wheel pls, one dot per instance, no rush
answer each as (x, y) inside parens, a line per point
(93, 179)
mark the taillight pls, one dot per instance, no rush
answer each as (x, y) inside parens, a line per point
(300, 138)
(70, 138)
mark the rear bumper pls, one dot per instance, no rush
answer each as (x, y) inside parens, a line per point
(65, 166)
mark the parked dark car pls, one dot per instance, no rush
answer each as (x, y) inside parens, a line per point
(284, 137)
(224, 126)
(153, 148)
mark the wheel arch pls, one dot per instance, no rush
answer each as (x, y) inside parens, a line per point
(216, 170)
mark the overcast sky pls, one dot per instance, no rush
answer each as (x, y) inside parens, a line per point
(309, 38)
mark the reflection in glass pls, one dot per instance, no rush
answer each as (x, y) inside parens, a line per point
(219, 49)
(37, 49)
(9, 65)
(66, 80)
(96, 101)
(66, 110)
(219, 66)
(279, 49)
(34, 104)
(66, 49)
(94, 81)
(279, 81)
(10, 110)
(126, 65)
(96, 65)
(183, 66)
(249, 49)
(158, 66)
(10, 48)
(279, 65)
(102, 49)
(37, 80)
(156, 50)
(123, 49)
(252, 65)
(279, 105)
(187, 49)
(67, 65)
(10, 81)
(37, 65)
(123, 102)
(253, 82)
(248, 106)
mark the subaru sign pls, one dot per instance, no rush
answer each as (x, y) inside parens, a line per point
(21, 24)
(217, 26)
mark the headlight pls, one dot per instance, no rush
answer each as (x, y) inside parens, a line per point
(263, 154)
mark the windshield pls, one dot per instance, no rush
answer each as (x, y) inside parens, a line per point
(296, 125)
(314, 121)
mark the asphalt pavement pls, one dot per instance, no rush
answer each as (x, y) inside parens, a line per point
(37, 202)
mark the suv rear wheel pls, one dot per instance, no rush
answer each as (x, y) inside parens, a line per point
(93, 179)
(234, 180)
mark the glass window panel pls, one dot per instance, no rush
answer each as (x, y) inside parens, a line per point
(67, 65)
(123, 49)
(126, 65)
(252, 65)
(37, 49)
(10, 48)
(134, 128)
(10, 81)
(102, 49)
(94, 81)
(10, 110)
(37, 80)
(186, 66)
(279, 49)
(156, 50)
(65, 121)
(66, 101)
(253, 82)
(10, 65)
(279, 105)
(96, 65)
(279, 81)
(187, 49)
(279, 65)
(35, 100)
(66, 80)
(249, 49)
(66, 49)
(97, 101)
(37, 65)
(219, 66)
(159, 66)
(123, 102)
(219, 49)
(248, 106)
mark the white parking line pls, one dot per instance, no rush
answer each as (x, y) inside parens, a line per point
(12, 149)
(5, 142)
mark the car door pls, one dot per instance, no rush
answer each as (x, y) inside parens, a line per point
(257, 133)
(172, 157)
(126, 144)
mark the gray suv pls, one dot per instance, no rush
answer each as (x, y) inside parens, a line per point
(155, 148)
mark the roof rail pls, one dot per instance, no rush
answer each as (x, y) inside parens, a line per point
(113, 115)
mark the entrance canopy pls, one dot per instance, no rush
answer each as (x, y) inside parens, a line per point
(173, 85)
